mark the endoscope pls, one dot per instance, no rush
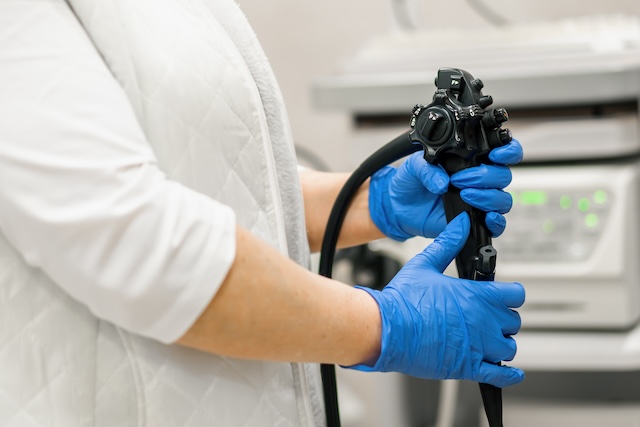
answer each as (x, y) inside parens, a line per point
(457, 130)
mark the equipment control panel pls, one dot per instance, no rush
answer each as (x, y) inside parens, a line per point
(572, 240)
(554, 225)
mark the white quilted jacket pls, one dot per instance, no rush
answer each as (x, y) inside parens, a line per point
(183, 88)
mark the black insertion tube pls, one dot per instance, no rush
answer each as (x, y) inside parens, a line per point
(491, 395)
(395, 150)
(477, 261)
(492, 401)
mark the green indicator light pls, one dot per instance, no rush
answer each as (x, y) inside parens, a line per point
(565, 202)
(533, 198)
(600, 197)
(584, 204)
(591, 220)
(548, 227)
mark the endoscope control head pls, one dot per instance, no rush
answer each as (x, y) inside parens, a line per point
(456, 129)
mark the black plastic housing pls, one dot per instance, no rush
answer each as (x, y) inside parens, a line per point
(458, 132)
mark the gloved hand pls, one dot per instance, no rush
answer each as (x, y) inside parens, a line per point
(405, 202)
(439, 327)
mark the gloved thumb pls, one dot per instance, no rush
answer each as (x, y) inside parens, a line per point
(448, 244)
(433, 177)
(499, 376)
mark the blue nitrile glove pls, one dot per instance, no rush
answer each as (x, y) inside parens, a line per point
(439, 327)
(405, 202)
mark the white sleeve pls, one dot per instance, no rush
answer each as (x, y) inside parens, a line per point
(81, 196)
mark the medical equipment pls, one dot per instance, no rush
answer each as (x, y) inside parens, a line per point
(572, 90)
(456, 132)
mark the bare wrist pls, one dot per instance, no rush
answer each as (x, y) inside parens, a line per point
(372, 329)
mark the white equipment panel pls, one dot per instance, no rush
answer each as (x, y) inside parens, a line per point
(572, 61)
(572, 240)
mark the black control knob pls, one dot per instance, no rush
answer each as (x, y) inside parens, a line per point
(477, 84)
(485, 101)
(505, 136)
(494, 118)
(435, 126)
(501, 115)
(499, 137)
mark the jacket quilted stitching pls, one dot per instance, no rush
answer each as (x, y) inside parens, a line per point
(190, 99)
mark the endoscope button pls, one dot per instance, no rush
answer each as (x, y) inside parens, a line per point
(505, 136)
(485, 101)
(477, 84)
(501, 115)
(435, 127)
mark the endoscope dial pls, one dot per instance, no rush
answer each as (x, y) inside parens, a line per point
(432, 127)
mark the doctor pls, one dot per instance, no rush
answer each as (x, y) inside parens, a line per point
(155, 235)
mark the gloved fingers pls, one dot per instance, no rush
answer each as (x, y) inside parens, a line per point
(488, 200)
(509, 154)
(380, 209)
(512, 294)
(496, 223)
(432, 177)
(510, 323)
(513, 350)
(436, 222)
(439, 254)
(483, 176)
(504, 348)
(499, 376)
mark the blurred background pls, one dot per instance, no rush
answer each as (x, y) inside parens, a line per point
(306, 39)
(569, 74)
